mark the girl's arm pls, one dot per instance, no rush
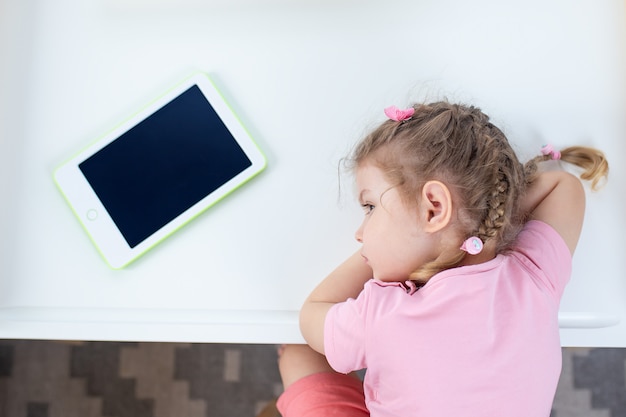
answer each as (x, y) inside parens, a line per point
(558, 199)
(344, 282)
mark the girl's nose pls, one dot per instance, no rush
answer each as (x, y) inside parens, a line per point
(358, 235)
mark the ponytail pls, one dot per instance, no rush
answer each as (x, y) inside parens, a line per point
(592, 161)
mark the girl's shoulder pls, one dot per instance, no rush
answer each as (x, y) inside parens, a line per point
(537, 234)
(545, 254)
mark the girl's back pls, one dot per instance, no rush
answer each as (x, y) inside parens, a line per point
(476, 340)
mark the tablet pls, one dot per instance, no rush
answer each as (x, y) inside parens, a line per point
(158, 170)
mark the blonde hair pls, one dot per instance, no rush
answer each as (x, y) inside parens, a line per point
(592, 161)
(458, 145)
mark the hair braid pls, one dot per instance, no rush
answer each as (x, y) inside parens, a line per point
(493, 196)
(495, 217)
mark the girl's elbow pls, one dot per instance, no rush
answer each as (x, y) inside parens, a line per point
(312, 319)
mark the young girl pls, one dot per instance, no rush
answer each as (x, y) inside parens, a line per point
(452, 301)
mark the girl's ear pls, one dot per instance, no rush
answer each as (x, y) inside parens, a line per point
(436, 206)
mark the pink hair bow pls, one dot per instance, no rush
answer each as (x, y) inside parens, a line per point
(399, 115)
(549, 150)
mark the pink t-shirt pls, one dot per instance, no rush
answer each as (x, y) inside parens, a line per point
(480, 340)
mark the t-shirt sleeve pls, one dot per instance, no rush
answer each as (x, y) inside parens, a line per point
(548, 254)
(345, 333)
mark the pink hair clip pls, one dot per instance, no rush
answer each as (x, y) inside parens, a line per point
(473, 245)
(549, 150)
(399, 115)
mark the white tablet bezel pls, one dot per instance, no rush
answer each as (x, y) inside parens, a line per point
(92, 213)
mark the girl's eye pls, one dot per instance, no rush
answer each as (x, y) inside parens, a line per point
(368, 208)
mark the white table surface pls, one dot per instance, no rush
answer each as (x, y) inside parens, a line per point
(308, 79)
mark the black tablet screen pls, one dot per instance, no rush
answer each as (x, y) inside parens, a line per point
(164, 165)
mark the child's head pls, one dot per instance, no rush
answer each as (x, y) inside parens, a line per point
(458, 146)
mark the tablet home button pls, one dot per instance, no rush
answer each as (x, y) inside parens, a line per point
(92, 214)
